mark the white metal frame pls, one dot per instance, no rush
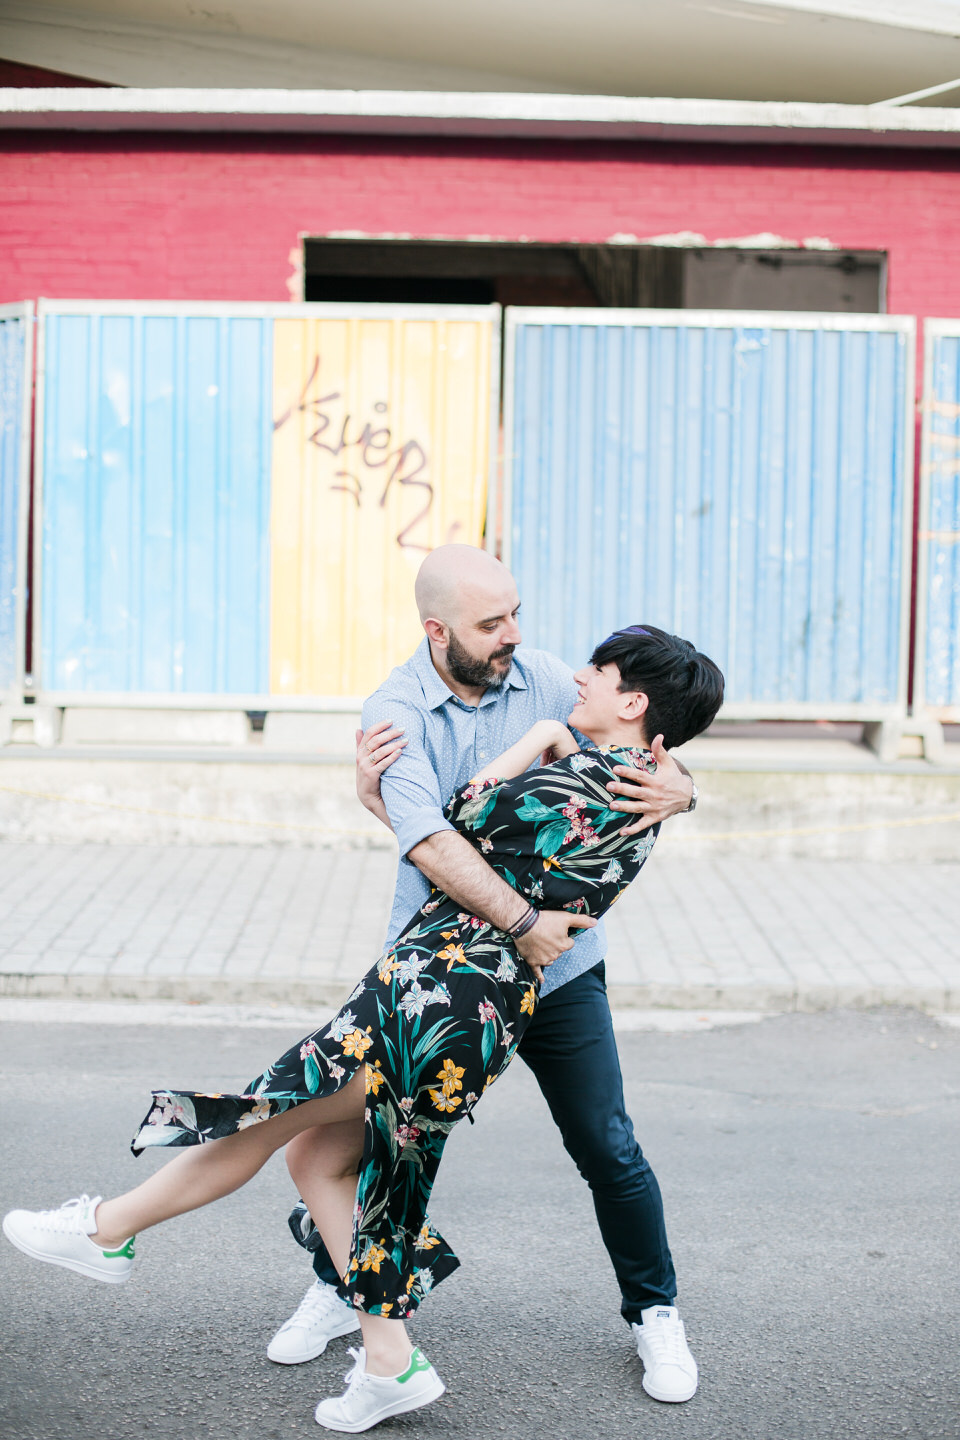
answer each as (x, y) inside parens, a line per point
(751, 319)
(164, 700)
(933, 330)
(22, 311)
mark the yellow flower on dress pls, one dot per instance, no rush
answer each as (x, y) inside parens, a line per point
(426, 1241)
(388, 964)
(385, 1309)
(374, 1258)
(356, 1043)
(411, 1281)
(375, 1078)
(450, 1075)
(451, 953)
(446, 1103)
(526, 1004)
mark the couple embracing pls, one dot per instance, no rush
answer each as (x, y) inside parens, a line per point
(496, 948)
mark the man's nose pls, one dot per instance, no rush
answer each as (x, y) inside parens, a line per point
(511, 635)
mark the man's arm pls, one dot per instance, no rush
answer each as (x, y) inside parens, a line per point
(450, 862)
(410, 804)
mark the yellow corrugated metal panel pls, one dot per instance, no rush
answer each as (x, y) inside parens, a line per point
(381, 452)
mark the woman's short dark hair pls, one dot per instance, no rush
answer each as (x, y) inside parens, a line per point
(684, 689)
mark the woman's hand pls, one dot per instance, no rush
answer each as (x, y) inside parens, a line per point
(377, 749)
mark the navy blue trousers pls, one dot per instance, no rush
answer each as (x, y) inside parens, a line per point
(570, 1047)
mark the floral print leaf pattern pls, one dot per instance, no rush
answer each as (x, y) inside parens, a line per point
(436, 1020)
(551, 837)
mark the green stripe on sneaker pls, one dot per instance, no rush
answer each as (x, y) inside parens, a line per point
(126, 1251)
(418, 1362)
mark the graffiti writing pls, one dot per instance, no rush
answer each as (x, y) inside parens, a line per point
(368, 454)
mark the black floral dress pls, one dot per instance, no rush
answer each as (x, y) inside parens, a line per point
(438, 1018)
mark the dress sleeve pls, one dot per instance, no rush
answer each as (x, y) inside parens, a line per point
(551, 805)
(468, 808)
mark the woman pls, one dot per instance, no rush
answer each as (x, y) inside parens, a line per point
(425, 1033)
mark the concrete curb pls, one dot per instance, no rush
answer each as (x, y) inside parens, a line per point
(304, 991)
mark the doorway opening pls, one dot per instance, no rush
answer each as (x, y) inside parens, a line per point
(660, 277)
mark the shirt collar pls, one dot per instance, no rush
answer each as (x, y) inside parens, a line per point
(437, 693)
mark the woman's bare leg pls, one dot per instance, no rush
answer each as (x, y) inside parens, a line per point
(323, 1164)
(207, 1172)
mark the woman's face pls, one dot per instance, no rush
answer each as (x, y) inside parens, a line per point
(599, 701)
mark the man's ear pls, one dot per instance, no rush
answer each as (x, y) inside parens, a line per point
(436, 632)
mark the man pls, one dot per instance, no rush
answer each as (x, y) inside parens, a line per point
(465, 695)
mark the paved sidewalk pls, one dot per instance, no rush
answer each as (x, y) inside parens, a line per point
(238, 924)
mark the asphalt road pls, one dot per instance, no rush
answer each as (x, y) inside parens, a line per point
(811, 1175)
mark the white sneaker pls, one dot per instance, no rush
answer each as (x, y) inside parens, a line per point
(61, 1237)
(368, 1399)
(669, 1370)
(319, 1318)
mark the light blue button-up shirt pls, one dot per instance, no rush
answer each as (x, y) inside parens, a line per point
(448, 741)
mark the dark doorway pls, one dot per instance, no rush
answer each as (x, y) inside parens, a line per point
(656, 277)
(451, 272)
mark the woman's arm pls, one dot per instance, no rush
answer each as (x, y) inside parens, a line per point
(545, 735)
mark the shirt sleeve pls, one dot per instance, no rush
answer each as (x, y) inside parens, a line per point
(410, 788)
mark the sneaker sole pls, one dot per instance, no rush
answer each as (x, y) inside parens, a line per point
(401, 1407)
(673, 1399)
(108, 1277)
(349, 1326)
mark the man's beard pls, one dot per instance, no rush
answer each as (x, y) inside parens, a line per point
(467, 670)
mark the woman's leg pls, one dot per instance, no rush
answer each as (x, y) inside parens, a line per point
(207, 1172)
(323, 1164)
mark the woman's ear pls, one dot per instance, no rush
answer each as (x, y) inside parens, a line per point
(634, 706)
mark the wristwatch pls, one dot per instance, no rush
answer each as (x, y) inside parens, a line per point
(693, 801)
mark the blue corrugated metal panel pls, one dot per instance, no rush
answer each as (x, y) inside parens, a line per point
(14, 351)
(938, 656)
(156, 476)
(740, 483)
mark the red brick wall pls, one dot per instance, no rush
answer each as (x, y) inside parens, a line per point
(135, 217)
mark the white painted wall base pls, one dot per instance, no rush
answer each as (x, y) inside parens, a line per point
(108, 726)
(30, 725)
(317, 734)
(906, 814)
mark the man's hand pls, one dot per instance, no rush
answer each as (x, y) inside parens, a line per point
(651, 797)
(376, 751)
(548, 939)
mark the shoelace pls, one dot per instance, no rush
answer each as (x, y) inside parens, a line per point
(356, 1377)
(66, 1218)
(667, 1340)
(313, 1304)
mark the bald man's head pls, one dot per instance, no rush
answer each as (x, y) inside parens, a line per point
(454, 579)
(468, 604)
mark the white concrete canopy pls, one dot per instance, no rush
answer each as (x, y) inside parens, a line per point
(849, 51)
(375, 112)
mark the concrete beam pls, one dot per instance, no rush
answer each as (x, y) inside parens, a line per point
(561, 117)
